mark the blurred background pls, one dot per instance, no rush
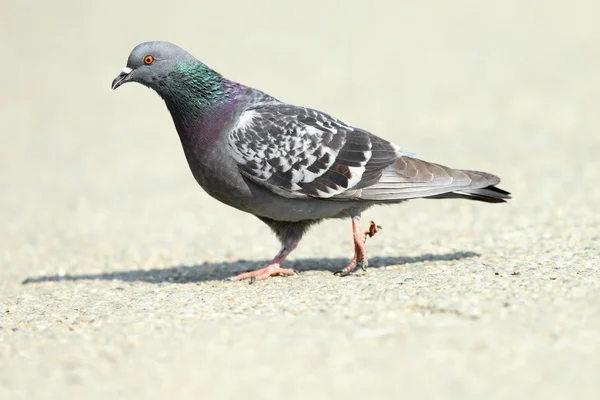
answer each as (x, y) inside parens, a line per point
(94, 182)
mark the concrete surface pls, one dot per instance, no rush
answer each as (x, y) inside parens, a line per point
(125, 255)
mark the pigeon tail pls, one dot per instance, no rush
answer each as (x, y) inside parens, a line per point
(488, 194)
(410, 178)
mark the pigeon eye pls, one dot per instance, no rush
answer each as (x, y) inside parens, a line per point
(148, 60)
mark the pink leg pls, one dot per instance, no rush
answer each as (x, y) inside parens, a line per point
(360, 251)
(274, 267)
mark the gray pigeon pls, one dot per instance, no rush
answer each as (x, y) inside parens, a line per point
(290, 166)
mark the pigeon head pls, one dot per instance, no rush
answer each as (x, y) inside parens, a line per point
(189, 88)
(150, 64)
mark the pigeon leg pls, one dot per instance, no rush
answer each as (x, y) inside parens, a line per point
(360, 252)
(274, 267)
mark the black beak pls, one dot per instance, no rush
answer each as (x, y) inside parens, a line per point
(122, 78)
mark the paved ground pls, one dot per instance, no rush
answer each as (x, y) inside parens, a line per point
(125, 255)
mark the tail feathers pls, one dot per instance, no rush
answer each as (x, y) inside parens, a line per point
(410, 178)
(488, 194)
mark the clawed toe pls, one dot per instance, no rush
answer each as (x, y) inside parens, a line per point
(373, 229)
(281, 271)
(264, 273)
(351, 268)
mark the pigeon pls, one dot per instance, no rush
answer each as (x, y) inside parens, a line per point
(290, 166)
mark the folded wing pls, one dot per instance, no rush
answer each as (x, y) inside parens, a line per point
(298, 152)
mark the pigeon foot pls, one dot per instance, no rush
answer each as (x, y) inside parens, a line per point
(373, 229)
(364, 263)
(274, 267)
(263, 273)
(353, 264)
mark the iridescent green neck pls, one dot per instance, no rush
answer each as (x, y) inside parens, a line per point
(202, 81)
(193, 90)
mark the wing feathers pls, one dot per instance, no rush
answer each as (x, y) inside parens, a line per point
(298, 152)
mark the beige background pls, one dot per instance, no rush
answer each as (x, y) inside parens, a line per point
(126, 254)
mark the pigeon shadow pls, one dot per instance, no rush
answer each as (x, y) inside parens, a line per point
(219, 271)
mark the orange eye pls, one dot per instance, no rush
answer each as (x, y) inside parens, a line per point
(148, 60)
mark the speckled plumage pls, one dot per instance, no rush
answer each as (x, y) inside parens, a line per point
(290, 166)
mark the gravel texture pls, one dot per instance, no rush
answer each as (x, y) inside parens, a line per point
(124, 256)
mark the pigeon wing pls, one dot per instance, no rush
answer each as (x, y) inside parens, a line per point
(298, 152)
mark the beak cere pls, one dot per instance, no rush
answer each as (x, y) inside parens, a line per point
(121, 78)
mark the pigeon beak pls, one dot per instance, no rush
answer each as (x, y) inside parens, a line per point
(122, 78)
